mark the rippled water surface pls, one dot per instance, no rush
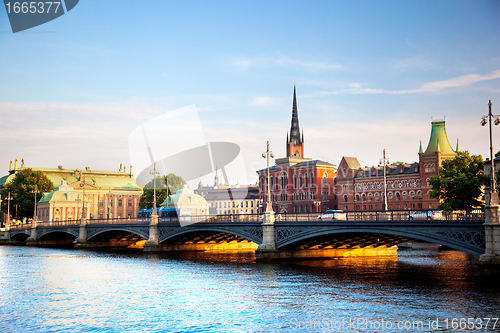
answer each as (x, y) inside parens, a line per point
(54, 290)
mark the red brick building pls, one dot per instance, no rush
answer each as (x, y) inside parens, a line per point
(299, 184)
(361, 189)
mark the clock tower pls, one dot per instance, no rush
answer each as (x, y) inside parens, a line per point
(294, 142)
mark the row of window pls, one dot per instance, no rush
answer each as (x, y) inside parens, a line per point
(233, 204)
(305, 180)
(380, 185)
(390, 196)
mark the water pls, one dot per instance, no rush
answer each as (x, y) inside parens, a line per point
(54, 290)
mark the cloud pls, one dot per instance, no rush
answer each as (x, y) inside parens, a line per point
(415, 63)
(429, 87)
(282, 61)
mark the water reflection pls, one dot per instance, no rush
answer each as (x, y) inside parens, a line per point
(52, 290)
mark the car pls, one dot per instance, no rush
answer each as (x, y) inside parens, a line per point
(426, 215)
(330, 215)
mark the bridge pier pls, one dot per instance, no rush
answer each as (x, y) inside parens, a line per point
(82, 235)
(32, 240)
(267, 250)
(491, 255)
(153, 243)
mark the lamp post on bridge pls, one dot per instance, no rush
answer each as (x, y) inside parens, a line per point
(35, 191)
(493, 200)
(385, 160)
(491, 254)
(268, 234)
(9, 198)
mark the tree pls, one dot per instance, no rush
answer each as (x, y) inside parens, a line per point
(175, 183)
(459, 182)
(21, 188)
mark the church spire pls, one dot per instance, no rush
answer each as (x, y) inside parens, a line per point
(295, 129)
(295, 143)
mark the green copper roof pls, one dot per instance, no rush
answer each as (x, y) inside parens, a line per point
(439, 139)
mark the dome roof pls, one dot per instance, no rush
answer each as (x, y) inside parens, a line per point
(185, 196)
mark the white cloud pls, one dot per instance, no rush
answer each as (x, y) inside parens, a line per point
(415, 63)
(429, 87)
(282, 61)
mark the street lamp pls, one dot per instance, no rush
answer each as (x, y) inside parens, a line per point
(267, 154)
(35, 191)
(8, 208)
(154, 173)
(385, 160)
(493, 182)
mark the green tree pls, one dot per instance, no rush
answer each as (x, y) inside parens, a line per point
(175, 183)
(21, 188)
(459, 182)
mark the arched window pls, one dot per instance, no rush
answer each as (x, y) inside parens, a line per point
(325, 177)
(405, 195)
(390, 195)
(294, 181)
(345, 197)
(419, 193)
(306, 180)
(300, 181)
(397, 196)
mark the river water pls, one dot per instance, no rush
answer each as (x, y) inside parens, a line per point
(422, 290)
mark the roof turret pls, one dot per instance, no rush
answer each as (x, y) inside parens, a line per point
(439, 140)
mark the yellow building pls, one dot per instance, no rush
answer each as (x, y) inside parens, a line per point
(113, 194)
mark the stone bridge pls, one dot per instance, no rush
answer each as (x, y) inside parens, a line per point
(288, 236)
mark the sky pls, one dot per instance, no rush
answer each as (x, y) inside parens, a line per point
(370, 75)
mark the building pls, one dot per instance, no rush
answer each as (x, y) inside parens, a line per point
(297, 183)
(360, 189)
(240, 199)
(187, 202)
(113, 194)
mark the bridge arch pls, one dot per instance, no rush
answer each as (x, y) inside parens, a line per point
(44, 233)
(251, 234)
(93, 232)
(471, 242)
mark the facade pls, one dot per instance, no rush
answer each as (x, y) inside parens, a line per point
(360, 189)
(297, 183)
(242, 199)
(108, 194)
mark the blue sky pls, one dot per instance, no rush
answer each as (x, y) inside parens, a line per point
(370, 75)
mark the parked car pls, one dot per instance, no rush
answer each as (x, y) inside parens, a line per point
(426, 215)
(331, 215)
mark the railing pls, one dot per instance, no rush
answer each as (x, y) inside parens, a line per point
(392, 215)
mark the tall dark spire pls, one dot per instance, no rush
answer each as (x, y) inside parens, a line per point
(295, 129)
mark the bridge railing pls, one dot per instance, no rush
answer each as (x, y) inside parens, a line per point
(391, 215)
(129, 220)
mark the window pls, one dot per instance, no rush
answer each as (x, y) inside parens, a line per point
(130, 202)
(300, 181)
(119, 202)
(345, 197)
(325, 176)
(294, 181)
(101, 203)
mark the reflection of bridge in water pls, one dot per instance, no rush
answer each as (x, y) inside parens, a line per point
(295, 235)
